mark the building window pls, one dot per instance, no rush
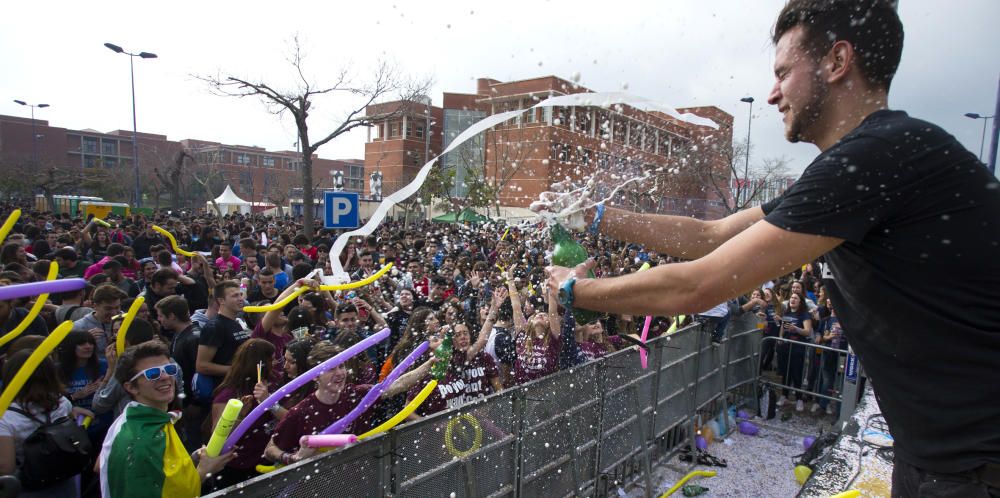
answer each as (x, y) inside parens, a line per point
(635, 135)
(529, 114)
(582, 120)
(420, 131)
(268, 162)
(89, 145)
(560, 152)
(109, 147)
(619, 129)
(242, 159)
(356, 171)
(90, 161)
(393, 130)
(109, 162)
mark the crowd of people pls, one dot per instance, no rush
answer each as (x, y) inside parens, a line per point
(192, 348)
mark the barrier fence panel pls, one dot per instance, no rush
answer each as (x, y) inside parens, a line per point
(584, 431)
(811, 372)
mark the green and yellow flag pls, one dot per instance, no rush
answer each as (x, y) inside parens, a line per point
(142, 456)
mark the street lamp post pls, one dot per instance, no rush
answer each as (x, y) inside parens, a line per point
(985, 119)
(34, 131)
(746, 169)
(135, 128)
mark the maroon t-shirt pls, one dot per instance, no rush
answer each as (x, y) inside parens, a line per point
(279, 342)
(541, 360)
(592, 350)
(311, 416)
(465, 381)
(249, 448)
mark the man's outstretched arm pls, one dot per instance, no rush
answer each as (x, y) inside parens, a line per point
(678, 236)
(754, 255)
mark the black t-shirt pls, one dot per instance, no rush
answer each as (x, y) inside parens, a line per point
(226, 335)
(184, 350)
(916, 283)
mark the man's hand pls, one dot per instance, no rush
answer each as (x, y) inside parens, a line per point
(559, 274)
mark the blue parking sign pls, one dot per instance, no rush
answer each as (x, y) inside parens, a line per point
(341, 210)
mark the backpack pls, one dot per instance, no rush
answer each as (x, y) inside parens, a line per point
(57, 450)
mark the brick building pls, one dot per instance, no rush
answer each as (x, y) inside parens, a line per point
(522, 157)
(255, 174)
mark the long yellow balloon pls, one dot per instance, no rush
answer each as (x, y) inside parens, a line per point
(405, 412)
(29, 366)
(360, 283)
(703, 473)
(7, 225)
(278, 305)
(173, 242)
(127, 322)
(33, 312)
(673, 326)
(301, 290)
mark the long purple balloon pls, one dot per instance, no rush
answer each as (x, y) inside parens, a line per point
(298, 382)
(376, 391)
(15, 291)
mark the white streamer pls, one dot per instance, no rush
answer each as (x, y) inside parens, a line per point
(606, 99)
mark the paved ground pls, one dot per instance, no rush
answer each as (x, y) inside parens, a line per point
(762, 465)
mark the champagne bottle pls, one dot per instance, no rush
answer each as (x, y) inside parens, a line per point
(569, 253)
(443, 354)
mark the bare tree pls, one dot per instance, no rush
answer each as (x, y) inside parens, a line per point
(51, 180)
(172, 176)
(725, 171)
(504, 158)
(384, 83)
(206, 176)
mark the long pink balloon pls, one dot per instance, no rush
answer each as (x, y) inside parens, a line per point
(15, 291)
(645, 328)
(376, 391)
(327, 440)
(642, 338)
(298, 382)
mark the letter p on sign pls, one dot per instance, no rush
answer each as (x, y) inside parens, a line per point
(341, 210)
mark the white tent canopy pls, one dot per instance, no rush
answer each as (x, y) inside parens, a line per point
(230, 203)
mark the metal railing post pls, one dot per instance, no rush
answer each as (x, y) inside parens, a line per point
(601, 372)
(519, 405)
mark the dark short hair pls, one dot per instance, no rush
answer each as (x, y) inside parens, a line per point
(872, 27)
(300, 270)
(67, 253)
(219, 291)
(163, 275)
(265, 272)
(115, 249)
(174, 305)
(126, 363)
(346, 308)
(107, 294)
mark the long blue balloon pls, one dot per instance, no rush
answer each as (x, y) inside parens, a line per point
(376, 391)
(15, 291)
(298, 382)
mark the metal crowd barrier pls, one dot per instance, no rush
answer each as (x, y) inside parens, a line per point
(843, 392)
(584, 431)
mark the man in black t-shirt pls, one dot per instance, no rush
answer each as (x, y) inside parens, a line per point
(223, 334)
(908, 221)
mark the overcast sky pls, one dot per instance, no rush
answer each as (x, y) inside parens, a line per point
(678, 52)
